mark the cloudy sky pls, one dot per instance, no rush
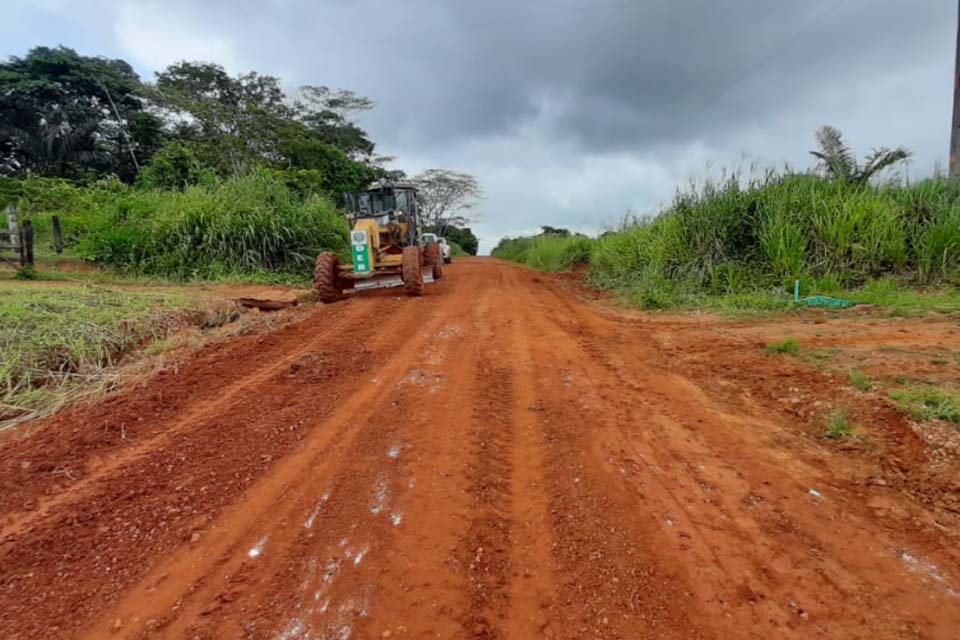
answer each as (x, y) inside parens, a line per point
(570, 112)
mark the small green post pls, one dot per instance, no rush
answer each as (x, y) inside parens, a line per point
(796, 291)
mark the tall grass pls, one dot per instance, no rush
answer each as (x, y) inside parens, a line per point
(244, 225)
(740, 236)
(546, 252)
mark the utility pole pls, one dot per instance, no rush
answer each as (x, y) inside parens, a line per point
(955, 129)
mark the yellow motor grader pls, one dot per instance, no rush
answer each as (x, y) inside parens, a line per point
(385, 243)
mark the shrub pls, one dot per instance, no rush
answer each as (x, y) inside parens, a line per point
(761, 234)
(246, 225)
(546, 252)
(174, 166)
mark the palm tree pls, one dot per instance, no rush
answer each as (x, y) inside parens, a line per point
(839, 162)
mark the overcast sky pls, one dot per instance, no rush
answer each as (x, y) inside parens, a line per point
(570, 112)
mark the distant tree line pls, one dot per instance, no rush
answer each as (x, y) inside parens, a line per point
(65, 115)
(83, 118)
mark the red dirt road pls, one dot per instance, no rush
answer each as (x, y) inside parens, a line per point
(497, 459)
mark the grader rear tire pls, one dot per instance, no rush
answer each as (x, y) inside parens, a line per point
(412, 271)
(326, 278)
(435, 260)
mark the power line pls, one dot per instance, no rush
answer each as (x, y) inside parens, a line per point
(955, 127)
(771, 55)
(494, 24)
(530, 17)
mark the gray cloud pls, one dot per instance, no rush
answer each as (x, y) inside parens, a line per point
(569, 111)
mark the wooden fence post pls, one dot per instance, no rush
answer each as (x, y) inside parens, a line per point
(12, 226)
(27, 247)
(57, 235)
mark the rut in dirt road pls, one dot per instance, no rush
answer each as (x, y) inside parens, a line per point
(497, 459)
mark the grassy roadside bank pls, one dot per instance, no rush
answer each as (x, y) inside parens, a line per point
(740, 247)
(60, 342)
(255, 227)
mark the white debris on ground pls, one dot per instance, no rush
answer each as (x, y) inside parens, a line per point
(308, 523)
(258, 549)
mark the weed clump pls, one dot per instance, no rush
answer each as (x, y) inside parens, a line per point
(838, 426)
(929, 403)
(860, 381)
(789, 346)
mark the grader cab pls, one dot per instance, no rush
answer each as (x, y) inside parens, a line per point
(385, 244)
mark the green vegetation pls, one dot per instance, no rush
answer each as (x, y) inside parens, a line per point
(740, 243)
(827, 234)
(462, 237)
(733, 246)
(858, 380)
(904, 297)
(244, 225)
(83, 118)
(55, 340)
(819, 358)
(197, 175)
(925, 402)
(552, 250)
(789, 346)
(839, 162)
(838, 426)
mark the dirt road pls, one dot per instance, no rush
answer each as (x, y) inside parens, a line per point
(498, 459)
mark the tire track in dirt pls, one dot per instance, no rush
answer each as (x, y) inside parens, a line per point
(532, 591)
(205, 409)
(340, 475)
(132, 418)
(485, 551)
(733, 513)
(494, 460)
(203, 604)
(154, 506)
(423, 590)
(611, 583)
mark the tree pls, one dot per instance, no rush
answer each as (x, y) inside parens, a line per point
(240, 122)
(302, 150)
(840, 163)
(233, 123)
(72, 116)
(329, 114)
(174, 166)
(446, 198)
(464, 238)
(69, 116)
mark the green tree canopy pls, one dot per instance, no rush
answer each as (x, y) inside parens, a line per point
(464, 237)
(73, 116)
(69, 116)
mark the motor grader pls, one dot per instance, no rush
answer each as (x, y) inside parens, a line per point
(385, 243)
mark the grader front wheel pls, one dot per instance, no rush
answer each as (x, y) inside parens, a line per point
(326, 277)
(412, 271)
(435, 259)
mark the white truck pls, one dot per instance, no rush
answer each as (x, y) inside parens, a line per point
(430, 238)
